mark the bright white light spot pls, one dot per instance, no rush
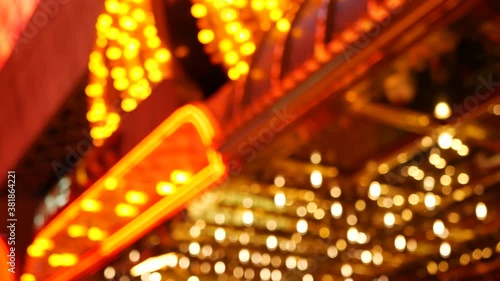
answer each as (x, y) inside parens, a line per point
(366, 256)
(316, 179)
(442, 111)
(247, 218)
(438, 227)
(400, 243)
(346, 270)
(374, 190)
(352, 234)
(220, 234)
(389, 220)
(336, 210)
(302, 226)
(445, 249)
(430, 201)
(271, 242)
(445, 140)
(280, 200)
(481, 211)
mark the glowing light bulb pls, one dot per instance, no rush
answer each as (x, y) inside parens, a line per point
(445, 249)
(400, 243)
(445, 140)
(316, 179)
(302, 226)
(346, 270)
(336, 210)
(280, 199)
(374, 190)
(389, 220)
(438, 227)
(481, 211)
(430, 201)
(442, 111)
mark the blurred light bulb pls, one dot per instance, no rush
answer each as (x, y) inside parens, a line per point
(442, 111)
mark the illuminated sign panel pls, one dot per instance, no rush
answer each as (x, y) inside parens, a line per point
(169, 167)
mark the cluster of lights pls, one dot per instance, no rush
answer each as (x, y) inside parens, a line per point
(232, 29)
(127, 61)
(260, 249)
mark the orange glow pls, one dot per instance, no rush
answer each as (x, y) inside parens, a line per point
(4, 260)
(189, 186)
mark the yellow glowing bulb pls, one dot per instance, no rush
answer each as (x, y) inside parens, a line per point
(94, 90)
(136, 197)
(91, 205)
(206, 36)
(164, 188)
(275, 14)
(118, 72)
(128, 104)
(139, 15)
(231, 57)
(283, 25)
(233, 74)
(225, 45)
(125, 210)
(153, 42)
(136, 73)
(233, 27)
(150, 31)
(180, 177)
(28, 277)
(113, 53)
(198, 10)
(55, 260)
(162, 55)
(228, 15)
(258, 5)
(242, 36)
(76, 230)
(247, 48)
(155, 76)
(121, 84)
(112, 6)
(128, 23)
(110, 183)
(242, 67)
(96, 234)
(104, 21)
(34, 251)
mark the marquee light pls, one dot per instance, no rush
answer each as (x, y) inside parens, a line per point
(191, 121)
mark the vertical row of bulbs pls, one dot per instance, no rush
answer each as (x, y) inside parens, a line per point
(128, 59)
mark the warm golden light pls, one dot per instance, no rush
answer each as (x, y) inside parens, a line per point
(481, 211)
(136, 197)
(374, 190)
(75, 230)
(180, 177)
(96, 234)
(125, 210)
(442, 110)
(164, 188)
(316, 179)
(91, 205)
(400, 243)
